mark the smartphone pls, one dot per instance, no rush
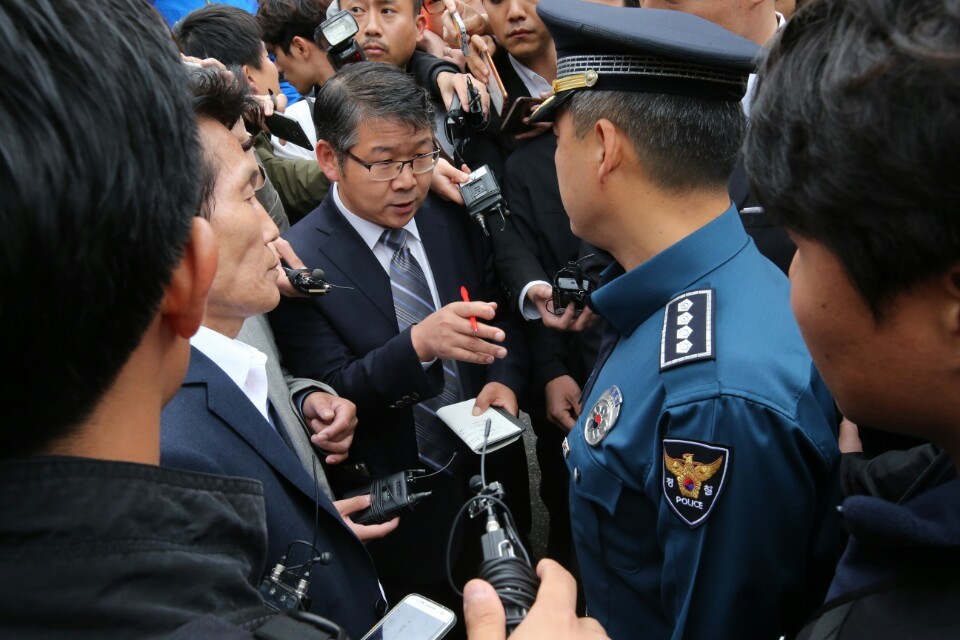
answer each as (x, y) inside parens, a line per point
(414, 618)
(498, 94)
(286, 128)
(520, 109)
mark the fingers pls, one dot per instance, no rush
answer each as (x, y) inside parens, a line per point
(336, 458)
(367, 532)
(287, 254)
(351, 505)
(562, 418)
(558, 589)
(538, 130)
(849, 441)
(483, 612)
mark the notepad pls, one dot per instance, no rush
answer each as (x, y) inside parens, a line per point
(504, 428)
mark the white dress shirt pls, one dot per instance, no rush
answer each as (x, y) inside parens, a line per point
(243, 364)
(371, 233)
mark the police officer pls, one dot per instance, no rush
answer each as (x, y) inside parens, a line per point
(704, 464)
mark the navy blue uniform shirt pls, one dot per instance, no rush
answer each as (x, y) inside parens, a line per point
(704, 468)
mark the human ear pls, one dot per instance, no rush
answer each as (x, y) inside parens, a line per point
(185, 301)
(951, 286)
(328, 161)
(299, 48)
(608, 147)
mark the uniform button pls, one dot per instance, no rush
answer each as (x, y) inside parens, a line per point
(381, 607)
(576, 475)
(565, 446)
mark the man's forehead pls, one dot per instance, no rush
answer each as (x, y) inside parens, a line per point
(387, 131)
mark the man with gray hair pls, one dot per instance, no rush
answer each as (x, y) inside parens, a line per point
(399, 343)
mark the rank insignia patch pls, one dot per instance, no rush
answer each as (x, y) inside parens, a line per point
(600, 420)
(687, 333)
(693, 477)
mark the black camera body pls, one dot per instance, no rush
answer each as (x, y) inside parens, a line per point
(482, 196)
(336, 36)
(570, 285)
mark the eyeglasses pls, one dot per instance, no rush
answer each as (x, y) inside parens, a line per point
(391, 169)
(433, 7)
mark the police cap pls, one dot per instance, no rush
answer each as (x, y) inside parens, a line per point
(605, 48)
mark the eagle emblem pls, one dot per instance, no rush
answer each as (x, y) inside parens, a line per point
(691, 487)
(690, 474)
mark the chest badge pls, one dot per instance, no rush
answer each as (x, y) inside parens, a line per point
(693, 477)
(603, 416)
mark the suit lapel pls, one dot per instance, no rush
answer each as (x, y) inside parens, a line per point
(227, 401)
(355, 259)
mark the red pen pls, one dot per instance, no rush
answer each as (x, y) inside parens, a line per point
(466, 298)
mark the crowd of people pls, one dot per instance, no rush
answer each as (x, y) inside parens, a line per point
(726, 233)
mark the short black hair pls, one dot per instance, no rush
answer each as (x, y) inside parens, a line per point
(282, 20)
(854, 135)
(226, 33)
(684, 142)
(98, 175)
(220, 96)
(365, 91)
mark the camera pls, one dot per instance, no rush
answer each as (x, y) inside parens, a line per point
(336, 36)
(464, 121)
(571, 285)
(481, 196)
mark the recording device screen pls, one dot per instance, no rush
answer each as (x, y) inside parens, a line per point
(414, 618)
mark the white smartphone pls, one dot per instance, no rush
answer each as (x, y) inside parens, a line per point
(414, 618)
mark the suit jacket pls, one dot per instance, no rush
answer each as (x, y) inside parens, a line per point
(350, 340)
(282, 389)
(211, 426)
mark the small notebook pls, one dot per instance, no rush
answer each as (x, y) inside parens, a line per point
(504, 428)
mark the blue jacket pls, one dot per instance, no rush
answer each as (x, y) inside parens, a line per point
(705, 506)
(210, 426)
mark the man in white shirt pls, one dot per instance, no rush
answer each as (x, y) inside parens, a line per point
(229, 418)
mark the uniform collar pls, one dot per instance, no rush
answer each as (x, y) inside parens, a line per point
(628, 300)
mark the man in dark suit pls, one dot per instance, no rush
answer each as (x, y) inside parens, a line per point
(223, 421)
(398, 341)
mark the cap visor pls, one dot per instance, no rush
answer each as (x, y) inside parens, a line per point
(547, 111)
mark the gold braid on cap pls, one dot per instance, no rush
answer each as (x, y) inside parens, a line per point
(576, 81)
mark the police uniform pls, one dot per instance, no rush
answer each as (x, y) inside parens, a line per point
(704, 467)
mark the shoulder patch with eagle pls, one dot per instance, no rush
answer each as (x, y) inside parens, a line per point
(693, 477)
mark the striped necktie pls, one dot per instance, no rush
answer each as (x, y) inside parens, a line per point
(413, 302)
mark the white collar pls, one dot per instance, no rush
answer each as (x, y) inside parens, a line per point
(369, 231)
(243, 364)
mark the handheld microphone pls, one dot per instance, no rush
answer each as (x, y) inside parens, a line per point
(309, 281)
(510, 574)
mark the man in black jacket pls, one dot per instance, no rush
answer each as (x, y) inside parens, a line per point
(95, 539)
(852, 150)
